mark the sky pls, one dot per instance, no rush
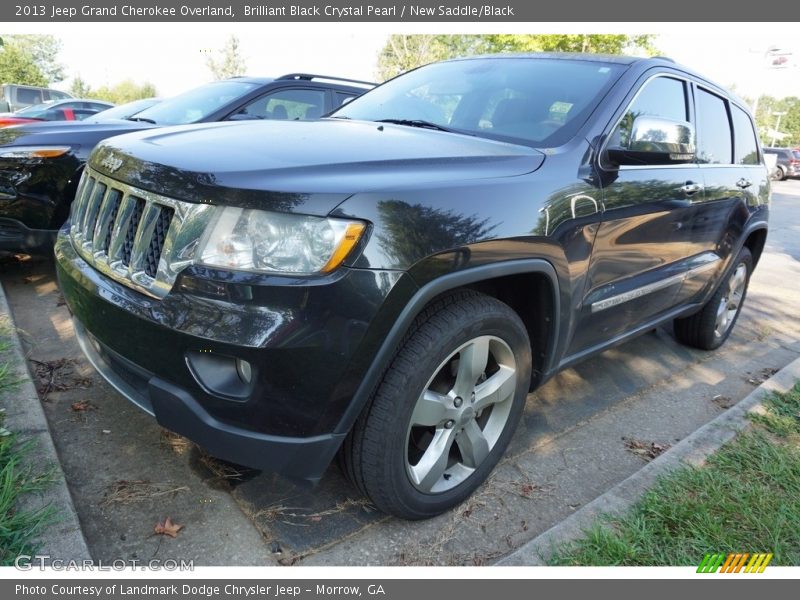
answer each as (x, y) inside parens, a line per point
(172, 56)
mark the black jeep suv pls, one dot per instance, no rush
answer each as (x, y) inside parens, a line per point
(390, 283)
(40, 164)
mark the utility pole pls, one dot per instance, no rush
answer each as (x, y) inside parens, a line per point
(777, 127)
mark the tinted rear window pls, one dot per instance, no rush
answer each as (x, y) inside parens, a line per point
(746, 150)
(714, 144)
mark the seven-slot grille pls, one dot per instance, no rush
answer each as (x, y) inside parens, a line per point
(126, 232)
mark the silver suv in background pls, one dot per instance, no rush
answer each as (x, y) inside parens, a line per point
(15, 96)
(788, 162)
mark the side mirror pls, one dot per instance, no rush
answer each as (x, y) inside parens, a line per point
(655, 141)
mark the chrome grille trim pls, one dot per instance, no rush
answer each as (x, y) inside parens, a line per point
(119, 230)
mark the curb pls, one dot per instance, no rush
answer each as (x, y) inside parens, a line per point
(692, 450)
(63, 540)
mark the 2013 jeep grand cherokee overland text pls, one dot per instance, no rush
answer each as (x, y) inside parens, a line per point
(390, 283)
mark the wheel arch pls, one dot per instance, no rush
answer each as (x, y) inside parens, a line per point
(502, 281)
(755, 241)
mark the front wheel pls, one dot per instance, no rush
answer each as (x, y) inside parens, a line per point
(710, 327)
(446, 409)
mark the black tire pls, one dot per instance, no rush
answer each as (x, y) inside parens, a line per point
(379, 454)
(705, 329)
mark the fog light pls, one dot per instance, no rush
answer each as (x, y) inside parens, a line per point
(221, 375)
(244, 370)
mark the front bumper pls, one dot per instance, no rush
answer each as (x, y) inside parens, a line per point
(175, 409)
(309, 348)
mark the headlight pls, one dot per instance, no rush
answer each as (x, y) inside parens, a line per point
(257, 240)
(33, 151)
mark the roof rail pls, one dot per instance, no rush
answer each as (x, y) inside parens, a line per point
(310, 76)
(667, 58)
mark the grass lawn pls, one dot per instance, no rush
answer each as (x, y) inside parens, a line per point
(19, 529)
(746, 498)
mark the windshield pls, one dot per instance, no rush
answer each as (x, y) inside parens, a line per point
(124, 111)
(34, 111)
(196, 104)
(537, 101)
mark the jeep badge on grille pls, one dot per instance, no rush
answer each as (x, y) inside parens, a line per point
(111, 163)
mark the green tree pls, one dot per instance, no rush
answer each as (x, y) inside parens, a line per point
(766, 119)
(229, 62)
(79, 88)
(18, 67)
(32, 57)
(604, 43)
(404, 52)
(124, 91)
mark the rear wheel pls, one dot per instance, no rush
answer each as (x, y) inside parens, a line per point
(709, 328)
(446, 409)
(779, 173)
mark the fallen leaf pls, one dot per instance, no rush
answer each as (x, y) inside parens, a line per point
(57, 376)
(762, 376)
(82, 406)
(168, 528)
(723, 401)
(646, 450)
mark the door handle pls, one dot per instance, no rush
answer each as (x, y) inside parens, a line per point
(691, 188)
(744, 183)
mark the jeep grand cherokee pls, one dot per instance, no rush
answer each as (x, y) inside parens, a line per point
(391, 282)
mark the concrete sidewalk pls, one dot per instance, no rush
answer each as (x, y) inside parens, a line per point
(24, 415)
(692, 450)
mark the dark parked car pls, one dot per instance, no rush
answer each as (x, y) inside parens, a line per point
(64, 110)
(124, 111)
(788, 162)
(391, 282)
(40, 164)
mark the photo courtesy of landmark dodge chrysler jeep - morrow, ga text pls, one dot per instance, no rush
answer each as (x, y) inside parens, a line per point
(389, 283)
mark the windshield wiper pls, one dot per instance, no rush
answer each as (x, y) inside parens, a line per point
(142, 119)
(418, 123)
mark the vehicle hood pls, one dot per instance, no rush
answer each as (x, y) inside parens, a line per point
(81, 135)
(304, 166)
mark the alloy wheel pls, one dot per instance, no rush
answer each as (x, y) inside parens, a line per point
(460, 414)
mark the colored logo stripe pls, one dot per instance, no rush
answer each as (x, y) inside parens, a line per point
(734, 563)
